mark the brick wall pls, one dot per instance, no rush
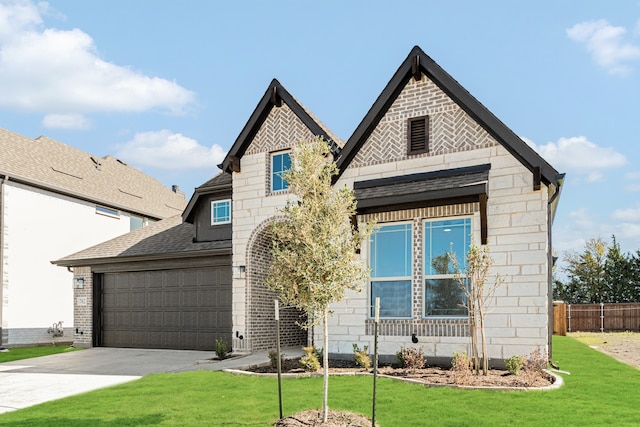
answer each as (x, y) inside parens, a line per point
(83, 308)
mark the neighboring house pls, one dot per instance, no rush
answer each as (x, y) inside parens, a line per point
(55, 199)
(436, 171)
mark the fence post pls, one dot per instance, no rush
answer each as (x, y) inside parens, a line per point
(601, 317)
(569, 317)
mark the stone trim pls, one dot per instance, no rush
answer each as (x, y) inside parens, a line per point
(422, 213)
(422, 328)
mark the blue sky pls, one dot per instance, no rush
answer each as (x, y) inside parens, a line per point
(167, 86)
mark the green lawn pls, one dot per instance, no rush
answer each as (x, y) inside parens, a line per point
(599, 391)
(20, 353)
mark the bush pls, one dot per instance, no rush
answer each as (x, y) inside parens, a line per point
(411, 358)
(514, 364)
(309, 362)
(361, 357)
(221, 349)
(273, 358)
(461, 366)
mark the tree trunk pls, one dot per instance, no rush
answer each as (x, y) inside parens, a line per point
(325, 365)
(485, 360)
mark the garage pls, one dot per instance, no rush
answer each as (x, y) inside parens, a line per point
(185, 309)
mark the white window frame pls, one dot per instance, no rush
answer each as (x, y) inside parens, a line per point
(213, 217)
(394, 278)
(272, 173)
(426, 276)
(110, 212)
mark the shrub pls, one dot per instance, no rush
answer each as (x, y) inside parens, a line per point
(309, 362)
(273, 358)
(514, 364)
(411, 358)
(221, 349)
(361, 357)
(461, 366)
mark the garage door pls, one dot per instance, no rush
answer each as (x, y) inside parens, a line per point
(186, 309)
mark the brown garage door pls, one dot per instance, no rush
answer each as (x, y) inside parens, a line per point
(171, 309)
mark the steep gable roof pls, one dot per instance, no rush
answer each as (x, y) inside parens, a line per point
(274, 96)
(57, 167)
(418, 63)
(219, 184)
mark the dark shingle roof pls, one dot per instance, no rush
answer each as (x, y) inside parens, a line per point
(169, 236)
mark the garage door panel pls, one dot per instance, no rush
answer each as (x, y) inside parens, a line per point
(172, 309)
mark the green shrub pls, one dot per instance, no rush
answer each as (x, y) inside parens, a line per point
(309, 362)
(411, 358)
(361, 357)
(514, 364)
(221, 349)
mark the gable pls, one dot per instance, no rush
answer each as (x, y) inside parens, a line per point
(450, 128)
(415, 67)
(280, 130)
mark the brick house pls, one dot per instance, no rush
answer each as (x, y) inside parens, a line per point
(55, 199)
(434, 168)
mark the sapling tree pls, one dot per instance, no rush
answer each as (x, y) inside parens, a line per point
(315, 246)
(473, 282)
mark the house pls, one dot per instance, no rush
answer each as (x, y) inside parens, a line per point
(433, 168)
(55, 199)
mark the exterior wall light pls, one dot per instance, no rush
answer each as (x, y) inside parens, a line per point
(239, 271)
(78, 283)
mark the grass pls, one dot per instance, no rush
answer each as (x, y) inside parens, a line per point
(599, 391)
(20, 353)
(601, 338)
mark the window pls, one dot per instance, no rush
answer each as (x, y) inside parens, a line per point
(135, 222)
(390, 259)
(443, 296)
(102, 210)
(280, 163)
(418, 140)
(220, 212)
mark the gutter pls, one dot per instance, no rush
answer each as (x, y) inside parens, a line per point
(552, 207)
(2, 187)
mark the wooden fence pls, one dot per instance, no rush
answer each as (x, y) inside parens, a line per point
(596, 317)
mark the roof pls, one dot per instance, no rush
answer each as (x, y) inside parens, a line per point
(417, 63)
(274, 96)
(169, 237)
(219, 184)
(458, 183)
(57, 167)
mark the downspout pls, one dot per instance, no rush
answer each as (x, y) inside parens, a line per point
(551, 212)
(2, 185)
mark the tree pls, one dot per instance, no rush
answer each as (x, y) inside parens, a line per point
(618, 276)
(586, 273)
(477, 297)
(315, 246)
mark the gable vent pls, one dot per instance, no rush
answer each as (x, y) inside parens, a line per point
(418, 135)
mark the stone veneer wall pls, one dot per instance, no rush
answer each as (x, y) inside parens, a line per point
(517, 232)
(253, 204)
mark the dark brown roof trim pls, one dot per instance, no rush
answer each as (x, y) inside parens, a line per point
(416, 177)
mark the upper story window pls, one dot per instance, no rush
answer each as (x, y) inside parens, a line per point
(390, 259)
(418, 135)
(136, 222)
(280, 163)
(103, 210)
(443, 295)
(220, 212)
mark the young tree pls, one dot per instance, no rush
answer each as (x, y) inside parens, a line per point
(315, 246)
(586, 272)
(618, 275)
(473, 281)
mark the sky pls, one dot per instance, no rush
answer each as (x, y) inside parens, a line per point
(167, 86)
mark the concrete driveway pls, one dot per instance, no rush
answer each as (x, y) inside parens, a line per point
(29, 382)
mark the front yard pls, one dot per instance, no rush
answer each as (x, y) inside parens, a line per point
(599, 391)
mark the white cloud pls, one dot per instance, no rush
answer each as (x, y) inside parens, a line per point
(627, 215)
(579, 155)
(60, 72)
(167, 150)
(606, 44)
(66, 121)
